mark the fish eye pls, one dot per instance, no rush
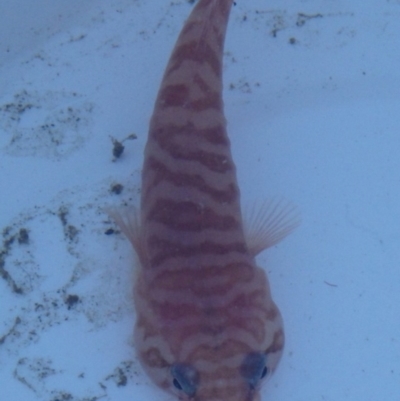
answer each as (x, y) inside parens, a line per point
(176, 384)
(185, 378)
(264, 372)
(254, 368)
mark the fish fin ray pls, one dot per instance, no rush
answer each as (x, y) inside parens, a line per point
(128, 222)
(269, 223)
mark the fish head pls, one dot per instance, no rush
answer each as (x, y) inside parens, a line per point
(237, 377)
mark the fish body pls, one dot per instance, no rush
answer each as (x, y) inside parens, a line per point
(207, 328)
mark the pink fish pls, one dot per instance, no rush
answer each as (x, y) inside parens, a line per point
(207, 328)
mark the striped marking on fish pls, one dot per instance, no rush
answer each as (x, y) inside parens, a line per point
(207, 328)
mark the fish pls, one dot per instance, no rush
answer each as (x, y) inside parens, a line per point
(207, 328)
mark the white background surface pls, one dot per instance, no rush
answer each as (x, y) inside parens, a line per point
(316, 121)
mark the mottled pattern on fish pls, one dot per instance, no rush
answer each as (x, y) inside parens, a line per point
(207, 328)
